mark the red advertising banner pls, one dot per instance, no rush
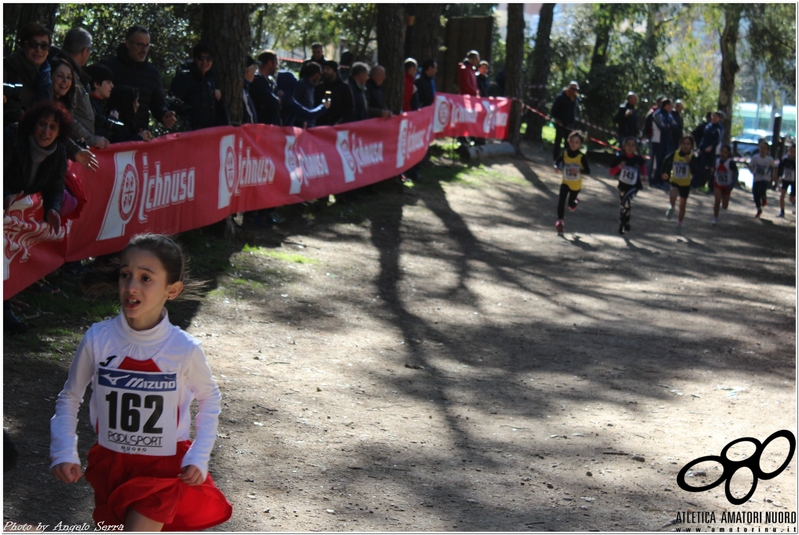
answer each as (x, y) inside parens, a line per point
(464, 115)
(184, 181)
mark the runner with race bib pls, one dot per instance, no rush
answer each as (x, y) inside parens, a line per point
(630, 168)
(679, 168)
(573, 164)
(787, 170)
(764, 172)
(725, 178)
(145, 372)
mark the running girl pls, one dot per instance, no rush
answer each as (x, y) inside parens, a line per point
(764, 172)
(725, 178)
(144, 372)
(787, 171)
(631, 170)
(679, 168)
(573, 165)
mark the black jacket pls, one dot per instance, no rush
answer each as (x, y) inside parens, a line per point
(359, 112)
(341, 102)
(678, 132)
(143, 76)
(482, 85)
(267, 103)
(374, 95)
(17, 162)
(198, 107)
(293, 112)
(36, 85)
(103, 125)
(564, 109)
(626, 125)
(426, 89)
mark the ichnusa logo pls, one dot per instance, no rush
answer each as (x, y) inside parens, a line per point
(302, 166)
(442, 112)
(494, 117)
(730, 467)
(156, 191)
(355, 155)
(410, 141)
(244, 170)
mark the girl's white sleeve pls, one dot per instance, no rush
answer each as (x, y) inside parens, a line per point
(209, 401)
(63, 425)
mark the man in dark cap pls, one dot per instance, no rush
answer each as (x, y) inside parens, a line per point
(341, 102)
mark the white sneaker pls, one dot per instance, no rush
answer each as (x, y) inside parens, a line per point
(715, 221)
(669, 212)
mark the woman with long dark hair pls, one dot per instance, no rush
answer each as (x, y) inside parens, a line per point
(35, 161)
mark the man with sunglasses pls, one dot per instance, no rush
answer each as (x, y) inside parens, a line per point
(130, 67)
(195, 87)
(26, 73)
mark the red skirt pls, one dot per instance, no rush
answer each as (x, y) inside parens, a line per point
(151, 487)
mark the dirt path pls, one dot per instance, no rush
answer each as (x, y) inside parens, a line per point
(437, 359)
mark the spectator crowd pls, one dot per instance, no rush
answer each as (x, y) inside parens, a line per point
(57, 107)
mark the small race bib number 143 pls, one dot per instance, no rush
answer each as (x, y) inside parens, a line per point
(137, 411)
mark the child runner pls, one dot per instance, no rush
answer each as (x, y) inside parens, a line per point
(573, 165)
(725, 174)
(764, 172)
(679, 168)
(144, 373)
(787, 171)
(631, 169)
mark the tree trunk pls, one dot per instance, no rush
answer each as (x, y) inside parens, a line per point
(42, 13)
(426, 32)
(15, 16)
(226, 28)
(540, 69)
(390, 48)
(603, 28)
(729, 65)
(260, 24)
(514, 61)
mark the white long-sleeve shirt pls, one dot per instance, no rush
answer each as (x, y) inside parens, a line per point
(173, 351)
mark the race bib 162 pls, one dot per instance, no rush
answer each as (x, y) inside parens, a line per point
(137, 411)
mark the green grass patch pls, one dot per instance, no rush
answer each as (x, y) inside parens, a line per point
(293, 258)
(548, 134)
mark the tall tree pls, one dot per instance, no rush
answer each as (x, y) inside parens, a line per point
(729, 64)
(540, 69)
(513, 69)
(772, 39)
(226, 28)
(604, 19)
(390, 48)
(15, 16)
(426, 32)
